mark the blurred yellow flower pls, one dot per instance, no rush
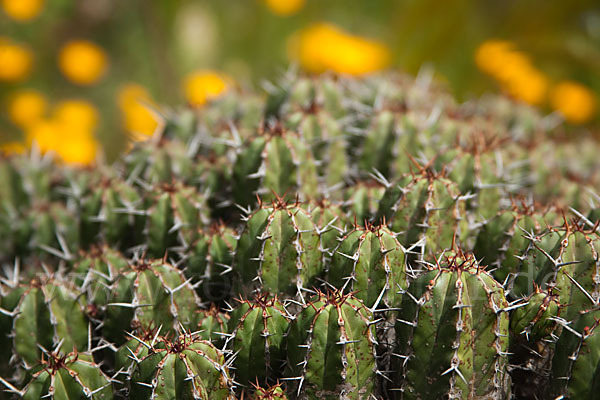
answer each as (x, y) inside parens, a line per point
(574, 101)
(13, 147)
(22, 10)
(78, 151)
(26, 106)
(15, 61)
(490, 54)
(324, 47)
(82, 62)
(202, 86)
(46, 133)
(79, 114)
(513, 70)
(529, 86)
(285, 7)
(69, 133)
(138, 119)
(71, 143)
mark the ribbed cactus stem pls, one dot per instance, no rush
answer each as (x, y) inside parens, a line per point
(453, 334)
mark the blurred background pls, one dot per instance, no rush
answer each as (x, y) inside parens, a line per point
(83, 77)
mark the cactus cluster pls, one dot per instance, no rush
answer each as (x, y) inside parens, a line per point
(340, 238)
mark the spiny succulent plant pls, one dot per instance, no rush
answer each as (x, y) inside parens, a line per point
(174, 216)
(257, 333)
(47, 314)
(141, 342)
(426, 209)
(534, 328)
(70, 376)
(564, 257)
(337, 208)
(275, 162)
(149, 293)
(279, 249)
(576, 358)
(208, 262)
(212, 325)
(95, 271)
(502, 240)
(371, 263)
(331, 349)
(452, 334)
(185, 368)
(112, 211)
(361, 199)
(331, 221)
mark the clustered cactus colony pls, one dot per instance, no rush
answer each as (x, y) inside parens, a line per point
(355, 239)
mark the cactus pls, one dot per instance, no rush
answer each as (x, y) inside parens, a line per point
(48, 314)
(94, 272)
(149, 293)
(212, 326)
(346, 200)
(331, 349)
(315, 117)
(576, 359)
(452, 334)
(534, 330)
(174, 216)
(280, 248)
(114, 212)
(209, 261)
(46, 230)
(135, 349)
(72, 376)
(27, 180)
(502, 241)
(276, 162)
(185, 368)
(362, 200)
(427, 210)
(161, 161)
(10, 296)
(377, 149)
(567, 258)
(331, 222)
(371, 263)
(257, 328)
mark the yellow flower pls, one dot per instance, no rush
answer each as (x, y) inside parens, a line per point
(69, 133)
(22, 10)
(490, 54)
(138, 119)
(13, 147)
(26, 107)
(82, 62)
(15, 61)
(530, 86)
(78, 151)
(574, 101)
(46, 133)
(71, 144)
(77, 113)
(323, 47)
(513, 70)
(285, 7)
(202, 86)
